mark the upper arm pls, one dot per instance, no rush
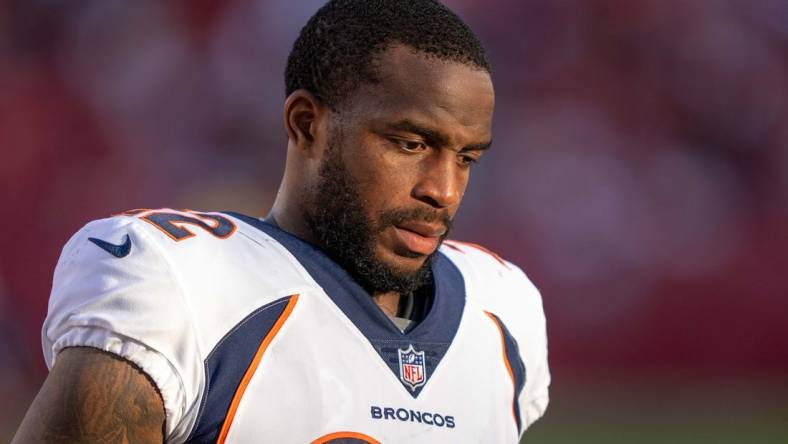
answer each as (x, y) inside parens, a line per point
(130, 306)
(94, 397)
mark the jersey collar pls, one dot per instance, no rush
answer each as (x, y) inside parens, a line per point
(433, 335)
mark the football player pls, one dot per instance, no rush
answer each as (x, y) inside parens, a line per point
(342, 316)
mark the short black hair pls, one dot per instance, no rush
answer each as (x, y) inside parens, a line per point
(334, 52)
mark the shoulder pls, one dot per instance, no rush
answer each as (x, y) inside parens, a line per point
(141, 233)
(502, 289)
(492, 282)
(194, 247)
(215, 266)
(161, 288)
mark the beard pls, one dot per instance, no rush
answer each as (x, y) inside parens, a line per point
(338, 220)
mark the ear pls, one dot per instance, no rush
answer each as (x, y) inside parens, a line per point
(303, 118)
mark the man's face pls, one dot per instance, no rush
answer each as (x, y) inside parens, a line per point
(396, 166)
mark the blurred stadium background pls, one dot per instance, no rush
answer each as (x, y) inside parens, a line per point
(639, 176)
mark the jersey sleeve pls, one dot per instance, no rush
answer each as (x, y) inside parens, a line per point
(532, 339)
(131, 306)
(503, 289)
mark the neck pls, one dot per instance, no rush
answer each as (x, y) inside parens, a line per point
(289, 220)
(388, 302)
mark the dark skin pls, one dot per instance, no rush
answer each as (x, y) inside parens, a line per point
(408, 141)
(94, 397)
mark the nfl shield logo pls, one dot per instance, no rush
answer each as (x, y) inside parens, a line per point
(411, 367)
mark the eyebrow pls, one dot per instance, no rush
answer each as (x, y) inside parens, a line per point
(434, 136)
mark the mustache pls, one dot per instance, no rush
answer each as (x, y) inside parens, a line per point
(402, 215)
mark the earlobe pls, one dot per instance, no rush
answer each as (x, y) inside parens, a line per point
(302, 114)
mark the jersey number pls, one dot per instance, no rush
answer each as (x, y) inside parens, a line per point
(175, 225)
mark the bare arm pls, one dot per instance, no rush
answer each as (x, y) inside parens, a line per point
(94, 397)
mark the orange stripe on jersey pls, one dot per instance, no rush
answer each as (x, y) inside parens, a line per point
(239, 392)
(453, 244)
(506, 362)
(338, 435)
(132, 212)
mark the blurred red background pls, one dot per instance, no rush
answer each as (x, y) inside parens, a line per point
(639, 173)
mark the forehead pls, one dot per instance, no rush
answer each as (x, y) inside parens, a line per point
(415, 86)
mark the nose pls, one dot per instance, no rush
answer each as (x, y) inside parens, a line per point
(441, 181)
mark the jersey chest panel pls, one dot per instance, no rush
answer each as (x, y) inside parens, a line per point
(195, 315)
(320, 375)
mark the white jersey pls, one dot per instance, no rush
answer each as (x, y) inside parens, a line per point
(252, 335)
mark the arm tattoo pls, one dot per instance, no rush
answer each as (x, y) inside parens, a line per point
(97, 397)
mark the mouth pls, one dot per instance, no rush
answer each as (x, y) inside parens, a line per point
(419, 237)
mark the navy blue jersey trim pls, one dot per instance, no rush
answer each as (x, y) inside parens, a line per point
(433, 335)
(517, 365)
(226, 365)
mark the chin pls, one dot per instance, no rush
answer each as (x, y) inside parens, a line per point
(405, 262)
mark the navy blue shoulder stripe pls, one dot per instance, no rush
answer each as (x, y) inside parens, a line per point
(226, 365)
(516, 363)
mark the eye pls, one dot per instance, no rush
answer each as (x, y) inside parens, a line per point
(468, 160)
(410, 145)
